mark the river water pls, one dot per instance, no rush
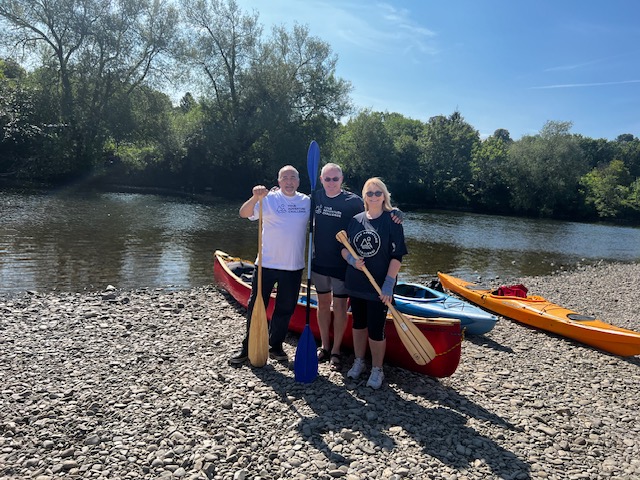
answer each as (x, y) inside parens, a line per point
(74, 242)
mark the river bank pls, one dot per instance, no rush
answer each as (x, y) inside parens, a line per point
(135, 384)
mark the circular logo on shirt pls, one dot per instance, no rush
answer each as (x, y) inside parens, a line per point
(367, 243)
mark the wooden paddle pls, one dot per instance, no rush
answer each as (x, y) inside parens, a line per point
(412, 338)
(306, 363)
(258, 331)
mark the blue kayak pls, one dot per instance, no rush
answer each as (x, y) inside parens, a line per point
(422, 301)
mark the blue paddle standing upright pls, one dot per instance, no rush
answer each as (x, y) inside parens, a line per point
(306, 362)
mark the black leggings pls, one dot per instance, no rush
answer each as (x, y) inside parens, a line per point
(371, 314)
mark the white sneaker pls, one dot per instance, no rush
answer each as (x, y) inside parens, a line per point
(357, 368)
(376, 377)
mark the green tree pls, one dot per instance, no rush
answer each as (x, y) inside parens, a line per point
(503, 135)
(597, 152)
(405, 182)
(364, 148)
(447, 144)
(23, 131)
(490, 157)
(607, 188)
(263, 99)
(627, 149)
(98, 50)
(632, 201)
(222, 43)
(544, 171)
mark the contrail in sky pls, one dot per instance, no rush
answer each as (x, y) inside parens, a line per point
(577, 85)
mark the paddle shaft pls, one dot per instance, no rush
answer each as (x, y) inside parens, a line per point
(412, 338)
(258, 331)
(309, 255)
(313, 160)
(260, 253)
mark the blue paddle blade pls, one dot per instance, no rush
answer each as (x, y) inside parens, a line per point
(305, 366)
(313, 162)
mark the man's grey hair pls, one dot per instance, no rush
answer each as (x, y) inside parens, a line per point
(330, 166)
(288, 167)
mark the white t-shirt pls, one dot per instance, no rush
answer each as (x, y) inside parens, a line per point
(284, 228)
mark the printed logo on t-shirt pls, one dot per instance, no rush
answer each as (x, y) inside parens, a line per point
(367, 243)
(328, 211)
(290, 208)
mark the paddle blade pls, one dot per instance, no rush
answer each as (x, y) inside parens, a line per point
(306, 362)
(313, 162)
(418, 346)
(258, 334)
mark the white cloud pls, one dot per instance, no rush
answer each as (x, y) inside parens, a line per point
(372, 28)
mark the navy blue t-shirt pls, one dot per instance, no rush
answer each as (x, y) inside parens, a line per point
(378, 241)
(331, 216)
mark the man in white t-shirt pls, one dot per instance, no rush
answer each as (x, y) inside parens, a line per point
(285, 216)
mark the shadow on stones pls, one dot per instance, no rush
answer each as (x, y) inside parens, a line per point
(242, 311)
(483, 341)
(632, 360)
(341, 414)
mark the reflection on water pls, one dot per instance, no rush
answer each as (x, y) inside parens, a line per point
(127, 240)
(73, 242)
(474, 245)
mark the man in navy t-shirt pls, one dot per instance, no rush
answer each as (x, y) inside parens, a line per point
(334, 209)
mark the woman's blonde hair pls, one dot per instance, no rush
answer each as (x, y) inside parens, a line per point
(377, 182)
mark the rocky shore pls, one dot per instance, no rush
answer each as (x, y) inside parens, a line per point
(135, 384)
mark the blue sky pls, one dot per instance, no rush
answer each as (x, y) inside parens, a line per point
(501, 63)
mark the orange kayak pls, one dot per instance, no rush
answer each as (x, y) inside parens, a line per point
(538, 312)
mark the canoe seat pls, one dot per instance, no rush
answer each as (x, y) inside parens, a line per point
(242, 269)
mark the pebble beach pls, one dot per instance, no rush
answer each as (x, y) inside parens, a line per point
(136, 385)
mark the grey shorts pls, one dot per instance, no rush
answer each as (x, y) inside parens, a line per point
(326, 284)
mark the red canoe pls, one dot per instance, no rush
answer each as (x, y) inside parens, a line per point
(234, 275)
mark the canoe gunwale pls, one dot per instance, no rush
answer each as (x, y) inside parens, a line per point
(445, 334)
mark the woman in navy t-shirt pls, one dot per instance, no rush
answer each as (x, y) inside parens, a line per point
(379, 243)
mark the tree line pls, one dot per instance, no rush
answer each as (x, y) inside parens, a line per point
(86, 98)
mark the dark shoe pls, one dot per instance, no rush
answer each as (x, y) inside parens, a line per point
(278, 354)
(336, 362)
(240, 357)
(323, 355)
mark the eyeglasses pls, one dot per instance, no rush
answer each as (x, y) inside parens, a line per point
(377, 193)
(331, 179)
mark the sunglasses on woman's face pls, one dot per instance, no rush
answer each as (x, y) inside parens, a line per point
(377, 193)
